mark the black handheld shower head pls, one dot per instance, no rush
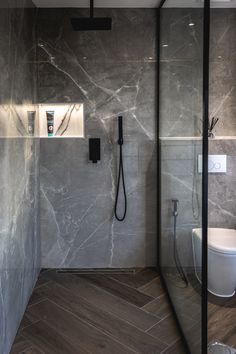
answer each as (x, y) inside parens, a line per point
(91, 23)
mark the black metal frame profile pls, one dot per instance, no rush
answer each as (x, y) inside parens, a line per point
(204, 294)
(206, 61)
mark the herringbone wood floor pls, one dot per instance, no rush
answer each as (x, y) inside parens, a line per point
(98, 313)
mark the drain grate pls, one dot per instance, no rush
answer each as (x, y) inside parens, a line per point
(100, 271)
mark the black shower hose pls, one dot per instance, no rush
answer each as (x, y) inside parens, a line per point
(121, 178)
(176, 255)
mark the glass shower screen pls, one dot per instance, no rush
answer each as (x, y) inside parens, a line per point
(181, 107)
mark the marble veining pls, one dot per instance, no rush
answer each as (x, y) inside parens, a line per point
(222, 70)
(112, 73)
(19, 176)
(222, 199)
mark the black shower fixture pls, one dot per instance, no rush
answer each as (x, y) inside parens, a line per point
(91, 23)
(121, 175)
(94, 149)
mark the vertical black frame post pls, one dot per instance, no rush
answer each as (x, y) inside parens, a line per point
(91, 8)
(206, 61)
(158, 33)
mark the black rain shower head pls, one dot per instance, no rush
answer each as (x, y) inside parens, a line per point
(91, 23)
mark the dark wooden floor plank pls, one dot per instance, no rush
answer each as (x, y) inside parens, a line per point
(25, 322)
(166, 330)
(32, 350)
(230, 337)
(154, 288)
(188, 308)
(123, 291)
(221, 319)
(49, 341)
(42, 280)
(176, 348)
(106, 301)
(28, 319)
(20, 345)
(159, 307)
(218, 303)
(123, 332)
(194, 336)
(78, 331)
(35, 297)
(222, 325)
(138, 279)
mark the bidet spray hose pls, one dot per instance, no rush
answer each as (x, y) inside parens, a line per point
(176, 253)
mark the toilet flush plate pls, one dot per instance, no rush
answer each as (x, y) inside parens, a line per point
(216, 163)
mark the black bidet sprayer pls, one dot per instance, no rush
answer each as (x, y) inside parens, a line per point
(121, 177)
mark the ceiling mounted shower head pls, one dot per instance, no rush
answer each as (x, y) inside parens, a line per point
(218, 1)
(91, 23)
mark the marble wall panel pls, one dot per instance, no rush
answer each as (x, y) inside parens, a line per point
(222, 192)
(223, 70)
(113, 73)
(19, 177)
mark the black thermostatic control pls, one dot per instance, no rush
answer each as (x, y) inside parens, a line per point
(94, 149)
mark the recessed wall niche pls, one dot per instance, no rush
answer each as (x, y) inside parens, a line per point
(68, 120)
(57, 120)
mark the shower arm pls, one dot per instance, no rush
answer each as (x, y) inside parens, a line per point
(91, 23)
(91, 8)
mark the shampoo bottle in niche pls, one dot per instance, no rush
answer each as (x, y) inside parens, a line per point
(31, 122)
(50, 122)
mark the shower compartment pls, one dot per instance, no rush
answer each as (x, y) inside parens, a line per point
(183, 146)
(181, 141)
(197, 243)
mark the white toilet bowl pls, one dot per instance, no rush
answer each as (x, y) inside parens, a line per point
(221, 260)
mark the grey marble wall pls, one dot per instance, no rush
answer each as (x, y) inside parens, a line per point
(181, 55)
(113, 73)
(222, 201)
(223, 70)
(19, 241)
(222, 198)
(180, 180)
(181, 71)
(223, 105)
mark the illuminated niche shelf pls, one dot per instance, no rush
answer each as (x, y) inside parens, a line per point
(19, 121)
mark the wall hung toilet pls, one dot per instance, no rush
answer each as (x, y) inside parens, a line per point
(221, 260)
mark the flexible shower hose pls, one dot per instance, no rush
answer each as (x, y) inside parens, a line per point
(121, 179)
(176, 255)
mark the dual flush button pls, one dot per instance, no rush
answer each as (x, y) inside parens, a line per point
(216, 163)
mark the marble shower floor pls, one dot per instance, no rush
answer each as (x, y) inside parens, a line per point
(98, 313)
